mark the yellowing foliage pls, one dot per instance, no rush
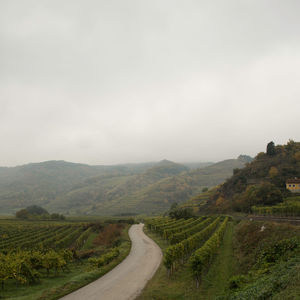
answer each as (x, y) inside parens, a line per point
(273, 172)
(220, 201)
(297, 156)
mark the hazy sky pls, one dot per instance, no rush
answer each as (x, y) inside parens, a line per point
(105, 82)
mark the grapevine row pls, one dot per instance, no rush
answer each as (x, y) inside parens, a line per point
(105, 258)
(201, 258)
(177, 237)
(176, 253)
(26, 239)
(82, 238)
(179, 227)
(177, 223)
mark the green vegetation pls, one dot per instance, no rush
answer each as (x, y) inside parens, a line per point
(105, 258)
(258, 187)
(37, 212)
(256, 260)
(215, 282)
(28, 266)
(202, 257)
(268, 256)
(289, 207)
(200, 203)
(151, 192)
(54, 258)
(181, 283)
(265, 193)
(77, 189)
(204, 235)
(180, 212)
(262, 182)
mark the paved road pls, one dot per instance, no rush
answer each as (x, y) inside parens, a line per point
(125, 281)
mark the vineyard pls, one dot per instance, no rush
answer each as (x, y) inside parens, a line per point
(219, 257)
(30, 237)
(32, 253)
(289, 208)
(192, 242)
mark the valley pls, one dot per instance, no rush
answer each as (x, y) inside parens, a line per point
(76, 189)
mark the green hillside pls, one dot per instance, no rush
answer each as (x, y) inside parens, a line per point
(109, 195)
(153, 191)
(245, 260)
(78, 189)
(41, 183)
(180, 188)
(261, 182)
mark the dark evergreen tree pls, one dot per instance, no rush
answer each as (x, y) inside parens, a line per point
(271, 149)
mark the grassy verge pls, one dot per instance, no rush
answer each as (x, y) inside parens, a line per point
(89, 242)
(79, 275)
(181, 284)
(160, 287)
(215, 282)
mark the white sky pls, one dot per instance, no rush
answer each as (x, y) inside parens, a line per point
(106, 82)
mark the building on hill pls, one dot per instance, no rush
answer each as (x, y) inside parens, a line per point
(293, 185)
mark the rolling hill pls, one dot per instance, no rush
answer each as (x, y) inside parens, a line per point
(41, 183)
(107, 190)
(261, 182)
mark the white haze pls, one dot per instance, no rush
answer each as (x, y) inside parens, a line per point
(106, 82)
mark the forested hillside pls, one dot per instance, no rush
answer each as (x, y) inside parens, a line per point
(261, 182)
(106, 190)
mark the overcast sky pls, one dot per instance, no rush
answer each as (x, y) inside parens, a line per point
(106, 82)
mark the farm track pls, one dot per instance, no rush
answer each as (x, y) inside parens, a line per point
(290, 220)
(126, 281)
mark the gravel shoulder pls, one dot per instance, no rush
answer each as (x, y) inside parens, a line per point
(126, 281)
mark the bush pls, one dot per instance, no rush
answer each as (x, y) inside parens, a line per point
(105, 258)
(181, 213)
(236, 282)
(263, 194)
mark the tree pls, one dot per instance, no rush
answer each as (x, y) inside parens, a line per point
(263, 194)
(55, 216)
(273, 172)
(297, 156)
(179, 213)
(268, 194)
(220, 201)
(174, 205)
(36, 210)
(22, 214)
(244, 201)
(271, 149)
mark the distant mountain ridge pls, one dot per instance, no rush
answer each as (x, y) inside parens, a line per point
(106, 190)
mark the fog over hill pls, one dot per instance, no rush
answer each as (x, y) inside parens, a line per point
(104, 82)
(73, 188)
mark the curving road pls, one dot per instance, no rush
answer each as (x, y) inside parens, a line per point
(125, 281)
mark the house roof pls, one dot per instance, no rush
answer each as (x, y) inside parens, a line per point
(295, 180)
